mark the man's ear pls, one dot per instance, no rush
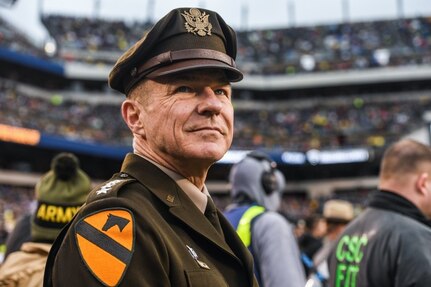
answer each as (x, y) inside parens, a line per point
(422, 183)
(131, 114)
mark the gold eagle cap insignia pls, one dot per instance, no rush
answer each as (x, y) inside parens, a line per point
(197, 22)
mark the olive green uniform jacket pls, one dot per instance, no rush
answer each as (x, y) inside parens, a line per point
(141, 229)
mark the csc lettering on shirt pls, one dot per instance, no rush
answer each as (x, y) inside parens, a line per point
(349, 254)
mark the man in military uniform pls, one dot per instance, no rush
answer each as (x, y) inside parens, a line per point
(154, 223)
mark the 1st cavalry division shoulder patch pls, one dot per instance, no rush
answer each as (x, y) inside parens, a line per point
(106, 243)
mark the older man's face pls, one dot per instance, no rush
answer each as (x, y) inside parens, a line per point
(187, 116)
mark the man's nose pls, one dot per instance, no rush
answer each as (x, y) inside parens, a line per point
(209, 102)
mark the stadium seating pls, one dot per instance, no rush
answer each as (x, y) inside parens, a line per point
(347, 46)
(295, 125)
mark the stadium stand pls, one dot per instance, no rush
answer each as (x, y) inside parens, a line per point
(344, 46)
(14, 40)
(373, 120)
(347, 46)
(15, 201)
(92, 40)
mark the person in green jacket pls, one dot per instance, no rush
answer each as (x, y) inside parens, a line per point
(59, 194)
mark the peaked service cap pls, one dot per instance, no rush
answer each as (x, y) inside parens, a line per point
(184, 39)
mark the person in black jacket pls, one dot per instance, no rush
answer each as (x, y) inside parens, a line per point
(388, 244)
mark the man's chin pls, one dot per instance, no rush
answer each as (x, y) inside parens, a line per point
(209, 153)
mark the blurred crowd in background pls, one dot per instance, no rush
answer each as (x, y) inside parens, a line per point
(345, 46)
(295, 125)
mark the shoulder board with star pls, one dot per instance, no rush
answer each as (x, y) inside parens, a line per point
(110, 187)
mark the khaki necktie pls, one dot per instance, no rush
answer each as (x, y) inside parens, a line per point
(211, 214)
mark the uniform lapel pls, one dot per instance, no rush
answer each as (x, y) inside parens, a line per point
(200, 224)
(235, 242)
(180, 206)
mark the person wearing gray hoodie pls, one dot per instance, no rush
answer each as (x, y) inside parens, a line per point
(256, 198)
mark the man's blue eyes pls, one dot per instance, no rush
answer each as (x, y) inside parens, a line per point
(184, 89)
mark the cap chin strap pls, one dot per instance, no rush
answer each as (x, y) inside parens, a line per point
(170, 57)
(183, 60)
